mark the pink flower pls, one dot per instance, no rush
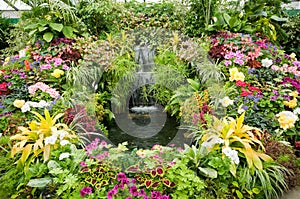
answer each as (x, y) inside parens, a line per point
(274, 67)
(239, 61)
(44, 67)
(227, 63)
(65, 67)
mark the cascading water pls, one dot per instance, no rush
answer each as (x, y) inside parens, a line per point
(143, 123)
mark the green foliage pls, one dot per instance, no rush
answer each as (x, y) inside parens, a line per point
(200, 15)
(292, 29)
(5, 28)
(188, 184)
(48, 30)
(270, 180)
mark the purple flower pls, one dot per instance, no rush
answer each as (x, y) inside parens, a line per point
(273, 98)
(287, 97)
(296, 63)
(85, 191)
(275, 92)
(245, 107)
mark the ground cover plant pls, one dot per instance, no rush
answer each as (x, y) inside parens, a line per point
(234, 93)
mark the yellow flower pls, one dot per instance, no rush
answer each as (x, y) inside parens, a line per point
(291, 104)
(57, 73)
(6, 60)
(19, 103)
(294, 94)
(236, 75)
(293, 56)
(286, 119)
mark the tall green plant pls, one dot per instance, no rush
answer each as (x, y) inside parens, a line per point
(200, 16)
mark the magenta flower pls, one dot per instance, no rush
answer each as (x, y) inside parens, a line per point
(85, 191)
(83, 164)
(133, 190)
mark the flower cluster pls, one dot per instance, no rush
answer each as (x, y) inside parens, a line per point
(232, 154)
(45, 88)
(235, 75)
(25, 106)
(128, 185)
(57, 73)
(4, 88)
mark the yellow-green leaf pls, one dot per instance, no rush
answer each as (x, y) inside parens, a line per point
(47, 152)
(257, 162)
(25, 153)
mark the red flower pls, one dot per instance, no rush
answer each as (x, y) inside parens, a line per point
(245, 93)
(3, 87)
(253, 88)
(240, 83)
(297, 145)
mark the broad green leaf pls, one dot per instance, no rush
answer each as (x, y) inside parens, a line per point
(256, 190)
(48, 36)
(226, 18)
(32, 32)
(239, 194)
(194, 84)
(68, 31)
(42, 28)
(276, 18)
(56, 26)
(209, 172)
(52, 165)
(31, 26)
(39, 182)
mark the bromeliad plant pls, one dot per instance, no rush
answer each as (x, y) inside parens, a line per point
(41, 136)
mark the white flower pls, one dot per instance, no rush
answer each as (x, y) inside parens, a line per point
(43, 104)
(51, 139)
(266, 62)
(22, 53)
(211, 141)
(226, 101)
(25, 107)
(297, 111)
(64, 155)
(64, 142)
(232, 154)
(62, 135)
(240, 109)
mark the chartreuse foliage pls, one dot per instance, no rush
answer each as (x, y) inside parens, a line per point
(40, 137)
(240, 137)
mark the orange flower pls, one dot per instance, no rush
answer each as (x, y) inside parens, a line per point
(27, 65)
